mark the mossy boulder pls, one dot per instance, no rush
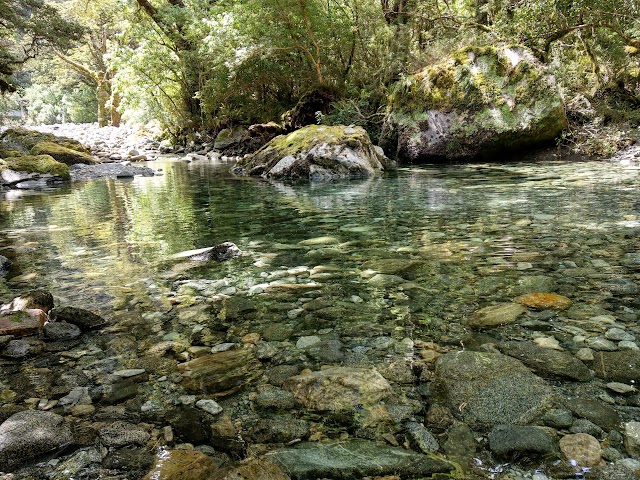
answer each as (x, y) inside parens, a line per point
(41, 164)
(316, 153)
(479, 102)
(23, 140)
(62, 154)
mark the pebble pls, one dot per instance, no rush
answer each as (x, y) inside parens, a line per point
(602, 344)
(618, 335)
(622, 388)
(209, 406)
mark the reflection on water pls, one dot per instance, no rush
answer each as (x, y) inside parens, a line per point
(476, 230)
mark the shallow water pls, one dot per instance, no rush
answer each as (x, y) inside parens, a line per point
(475, 230)
(379, 273)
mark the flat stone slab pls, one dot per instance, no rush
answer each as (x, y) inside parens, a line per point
(489, 389)
(20, 323)
(355, 459)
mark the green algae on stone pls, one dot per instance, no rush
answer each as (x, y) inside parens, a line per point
(477, 102)
(316, 153)
(62, 154)
(44, 164)
(22, 139)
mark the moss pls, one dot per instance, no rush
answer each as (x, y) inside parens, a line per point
(38, 164)
(24, 140)
(6, 153)
(62, 153)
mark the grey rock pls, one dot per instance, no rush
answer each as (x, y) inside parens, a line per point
(618, 335)
(61, 331)
(596, 412)
(421, 439)
(209, 406)
(28, 435)
(119, 434)
(354, 459)
(487, 389)
(5, 263)
(618, 366)
(558, 418)
(507, 439)
(582, 425)
(22, 348)
(84, 319)
(547, 362)
(271, 397)
(279, 429)
(602, 344)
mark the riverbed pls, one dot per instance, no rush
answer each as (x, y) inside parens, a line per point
(381, 275)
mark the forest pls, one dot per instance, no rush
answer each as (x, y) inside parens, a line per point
(192, 68)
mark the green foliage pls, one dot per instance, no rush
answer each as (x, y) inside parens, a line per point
(26, 26)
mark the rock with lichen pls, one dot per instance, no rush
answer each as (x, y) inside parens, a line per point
(316, 153)
(478, 102)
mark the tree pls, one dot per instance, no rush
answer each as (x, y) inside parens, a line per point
(90, 57)
(26, 26)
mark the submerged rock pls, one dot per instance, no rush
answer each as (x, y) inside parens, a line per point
(355, 459)
(219, 253)
(508, 439)
(339, 388)
(547, 362)
(84, 319)
(479, 101)
(316, 153)
(544, 301)
(494, 315)
(582, 448)
(486, 389)
(28, 435)
(181, 465)
(221, 374)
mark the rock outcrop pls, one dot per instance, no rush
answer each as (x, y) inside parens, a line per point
(316, 153)
(479, 102)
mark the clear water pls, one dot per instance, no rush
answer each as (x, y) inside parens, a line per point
(475, 234)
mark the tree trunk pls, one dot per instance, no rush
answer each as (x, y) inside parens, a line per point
(103, 94)
(116, 116)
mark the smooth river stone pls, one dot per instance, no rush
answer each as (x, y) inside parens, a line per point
(501, 314)
(544, 301)
(355, 458)
(339, 388)
(221, 374)
(582, 448)
(182, 465)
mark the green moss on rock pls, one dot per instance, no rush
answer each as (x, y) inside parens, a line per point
(480, 101)
(6, 153)
(61, 153)
(24, 140)
(44, 164)
(316, 152)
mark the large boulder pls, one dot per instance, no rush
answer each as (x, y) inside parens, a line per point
(18, 169)
(479, 101)
(29, 435)
(488, 389)
(23, 140)
(356, 458)
(62, 154)
(316, 153)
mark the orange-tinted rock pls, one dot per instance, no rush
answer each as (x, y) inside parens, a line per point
(544, 301)
(181, 465)
(254, 468)
(21, 323)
